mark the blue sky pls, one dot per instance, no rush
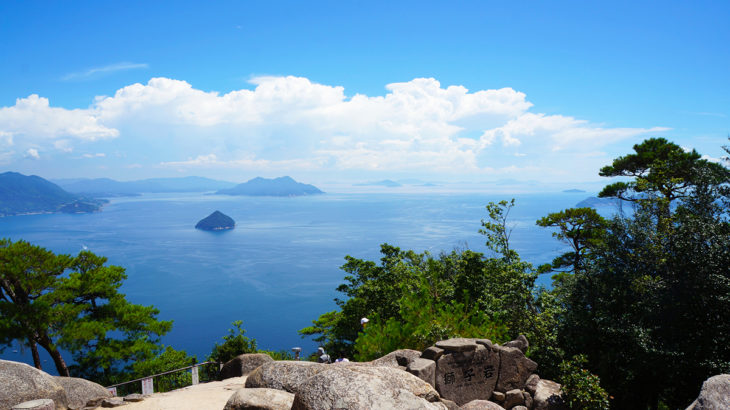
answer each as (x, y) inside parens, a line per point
(357, 91)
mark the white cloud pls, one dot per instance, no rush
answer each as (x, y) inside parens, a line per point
(32, 153)
(108, 69)
(294, 123)
(97, 155)
(34, 118)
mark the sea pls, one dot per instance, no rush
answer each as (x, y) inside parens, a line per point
(279, 268)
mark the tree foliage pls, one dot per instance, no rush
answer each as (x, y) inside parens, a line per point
(59, 302)
(423, 320)
(580, 389)
(494, 295)
(647, 311)
(235, 343)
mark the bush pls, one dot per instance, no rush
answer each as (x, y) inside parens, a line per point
(581, 389)
(234, 344)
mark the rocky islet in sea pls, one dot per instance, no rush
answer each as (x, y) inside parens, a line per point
(217, 221)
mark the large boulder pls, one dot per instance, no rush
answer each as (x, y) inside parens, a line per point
(20, 383)
(481, 405)
(260, 399)
(424, 369)
(714, 395)
(465, 375)
(283, 375)
(365, 387)
(398, 358)
(514, 368)
(547, 396)
(80, 392)
(243, 364)
(458, 344)
(520, 343)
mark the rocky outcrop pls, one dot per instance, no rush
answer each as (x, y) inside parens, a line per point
(82, 393)
(283, 375)
(714, 395)
(399, 358)
(243, 364)
(21, 383)
(514, 368)
(260, 399)
(481, 405)
(365, 387)
(547, 396)
(217, 221)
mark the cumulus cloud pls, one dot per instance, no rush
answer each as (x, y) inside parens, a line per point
(294, 123)
(32, 153)
(34, 118)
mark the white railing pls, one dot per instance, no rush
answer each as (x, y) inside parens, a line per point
(148, 381)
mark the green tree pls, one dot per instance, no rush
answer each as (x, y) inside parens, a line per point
(662, 172)
(581, 390)
(59, 302)
(581, 228)
(423, 321)
(168, 359)
(235, 343)
(29, 275)
(646, 310)
(500, 289)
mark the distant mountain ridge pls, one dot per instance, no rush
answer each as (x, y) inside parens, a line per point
(282, 186)
(110, 187)
(23, 194)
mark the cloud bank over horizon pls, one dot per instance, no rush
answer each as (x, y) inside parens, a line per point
(287, 124)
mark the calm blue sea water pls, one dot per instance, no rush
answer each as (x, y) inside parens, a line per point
(278, 269)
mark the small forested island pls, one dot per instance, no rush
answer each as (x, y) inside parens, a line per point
(282, 186)
(22, 194)
(217, 221)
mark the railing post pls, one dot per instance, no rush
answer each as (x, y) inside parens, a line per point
(147, 386)
(195, 374)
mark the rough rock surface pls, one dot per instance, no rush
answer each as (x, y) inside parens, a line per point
(80, 392)
(113, 402)
(260, 399)
(40, 404)
(458, 344)
(243, 364)
(714, 395)
(424, 369)
(481, 405)
(432, 353)
(133, 398)
(398, 358)
(520, 343)
(283, 375)
(20, 383)
(365, 387)
(531, 383)
(514, 368)
(547, 396)
(513, 398)
(463, 376)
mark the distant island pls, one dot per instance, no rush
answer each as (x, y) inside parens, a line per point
(282, 186)
(386, 183)
(573, 191)
(217, 221)
(594, 202)
(22, 194)
(105, 187)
